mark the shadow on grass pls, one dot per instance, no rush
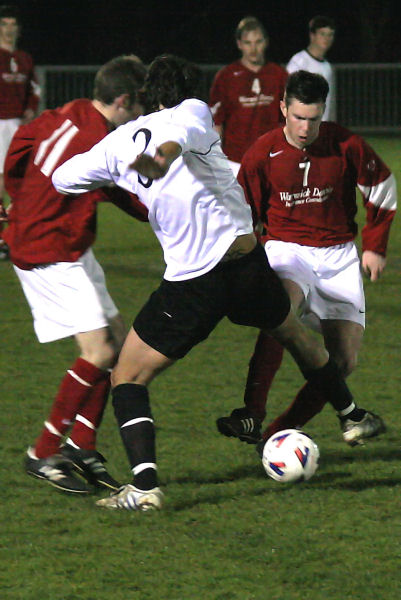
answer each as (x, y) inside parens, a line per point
(367, 453)
(325, 479)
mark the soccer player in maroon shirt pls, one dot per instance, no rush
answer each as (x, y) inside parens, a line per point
(19, 92)
(245, 95)
(214, 265)
(301, 180)
(50, 242)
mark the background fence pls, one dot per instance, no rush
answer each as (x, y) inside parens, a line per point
(368, 95)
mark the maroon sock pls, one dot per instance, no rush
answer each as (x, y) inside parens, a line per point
(75, 387)
(89, 417)
(263, 366)
(308, 403)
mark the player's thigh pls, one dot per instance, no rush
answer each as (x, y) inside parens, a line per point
(118, 330)
(97, 347)
(338, 288)
(97, 278)
(305, 347)
(181, 314)
(292, 263)
(343, 341)
(255, 294)
(64, 299)
(295, 293)
(138, 362)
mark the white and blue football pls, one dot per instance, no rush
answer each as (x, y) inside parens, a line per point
(290, 456)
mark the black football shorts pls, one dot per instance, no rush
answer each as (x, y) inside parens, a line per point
(180, 314)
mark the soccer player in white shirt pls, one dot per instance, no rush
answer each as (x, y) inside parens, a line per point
(172, 159)
(313, 59)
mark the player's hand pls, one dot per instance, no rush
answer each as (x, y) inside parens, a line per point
(373, 264)
(157, 166)
(28, 115)
(147, 166)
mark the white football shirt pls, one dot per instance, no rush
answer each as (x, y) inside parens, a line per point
(306, 62)
(196, 210)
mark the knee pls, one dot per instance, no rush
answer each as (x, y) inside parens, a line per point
(346, 364)
(120, 376)
(104, 356)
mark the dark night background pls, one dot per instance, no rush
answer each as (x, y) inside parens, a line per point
(91, 32)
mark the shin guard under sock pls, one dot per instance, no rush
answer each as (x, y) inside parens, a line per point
(328, 381)
(75, 388)
(134, 418)
(89, 417)
(263, 366)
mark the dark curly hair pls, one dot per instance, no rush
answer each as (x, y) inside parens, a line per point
(169, 81)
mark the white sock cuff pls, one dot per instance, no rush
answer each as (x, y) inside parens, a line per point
(346, 411)
(135, 421)
(143, 466)
(85, 421)
(78, 378)
(52, 429)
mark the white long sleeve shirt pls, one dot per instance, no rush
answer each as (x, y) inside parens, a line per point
(196, 210)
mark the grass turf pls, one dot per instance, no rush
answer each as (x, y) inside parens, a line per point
(227, 531)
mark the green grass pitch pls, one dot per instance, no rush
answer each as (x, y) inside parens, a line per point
(227, 531)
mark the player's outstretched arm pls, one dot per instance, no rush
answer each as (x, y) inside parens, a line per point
(157, 166)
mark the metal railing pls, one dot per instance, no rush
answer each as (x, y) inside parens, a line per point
(368, 95)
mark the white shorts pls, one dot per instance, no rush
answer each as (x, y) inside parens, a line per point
(7, 129)
(67, 298)
(330, 279)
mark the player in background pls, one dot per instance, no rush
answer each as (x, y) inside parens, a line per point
(19, 93)
(50, 246)
(301, 181)
(214, 267)
(245, 95)
(321, 37)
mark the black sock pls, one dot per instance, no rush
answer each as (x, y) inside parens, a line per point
(356, 414)
(134, 417)
(328, 381)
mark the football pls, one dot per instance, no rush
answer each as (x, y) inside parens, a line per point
(290, 456)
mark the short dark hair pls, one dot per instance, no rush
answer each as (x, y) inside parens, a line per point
(121, 75)
(249, 24)
(9, 11)
(169, 81)
(320, 21)
(308, 88)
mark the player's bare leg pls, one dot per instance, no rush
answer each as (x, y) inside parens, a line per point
(343, 340)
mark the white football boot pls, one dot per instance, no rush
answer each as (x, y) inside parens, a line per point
(355, 432)
(130, 498)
